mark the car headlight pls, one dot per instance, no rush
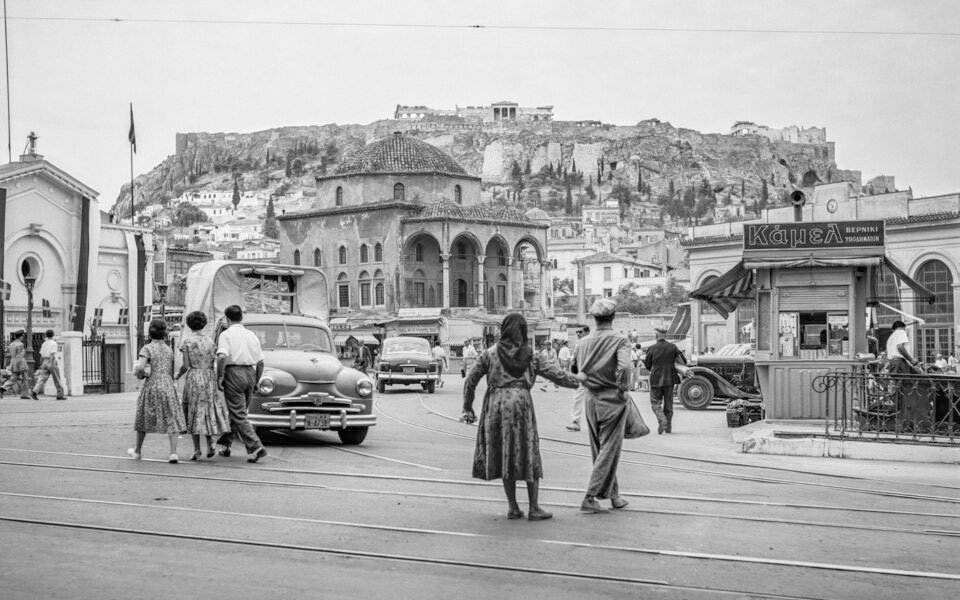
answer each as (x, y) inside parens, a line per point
(266, 385)
(383, 366)
(364, 387)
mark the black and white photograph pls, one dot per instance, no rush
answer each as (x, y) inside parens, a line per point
(421, 299)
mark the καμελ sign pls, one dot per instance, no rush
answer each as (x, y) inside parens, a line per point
(831, 234)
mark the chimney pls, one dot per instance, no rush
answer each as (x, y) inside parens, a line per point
(30, 151)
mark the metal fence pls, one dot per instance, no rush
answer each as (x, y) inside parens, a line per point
(93, 364)
(875, 405)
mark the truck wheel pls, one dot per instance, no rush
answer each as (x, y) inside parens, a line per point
(353, 436)
(431, 387)
(696, 393)
(381, 385)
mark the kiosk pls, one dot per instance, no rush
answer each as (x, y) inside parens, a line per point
(813, 284)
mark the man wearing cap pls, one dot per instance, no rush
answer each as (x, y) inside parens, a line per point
(661, 360)
(898, 350)
(603, 366)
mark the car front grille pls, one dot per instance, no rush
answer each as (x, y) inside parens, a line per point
(312, 402)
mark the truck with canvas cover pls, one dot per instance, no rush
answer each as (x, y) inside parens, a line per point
(304, 385)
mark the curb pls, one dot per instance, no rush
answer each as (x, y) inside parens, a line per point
(769, 441)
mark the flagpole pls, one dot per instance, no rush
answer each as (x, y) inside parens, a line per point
(131, 186)
(6, 56)
(132, 138)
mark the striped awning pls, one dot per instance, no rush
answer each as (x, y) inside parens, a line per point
(727, 291)
(922, 292)
(680, 325)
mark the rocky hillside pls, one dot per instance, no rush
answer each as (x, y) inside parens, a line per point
(540, 164)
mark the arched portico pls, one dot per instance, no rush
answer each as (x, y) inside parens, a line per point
(422, 271)
(465, 260)
(532, 271)
(496, 267)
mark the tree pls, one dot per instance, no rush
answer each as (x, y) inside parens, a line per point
(526, 168)
(573, 165)
(270, 228)
(743, 191)
(728, 199)
(236, 194)
(187, 214)
(515, 172)
(568, 204)
(764, 195)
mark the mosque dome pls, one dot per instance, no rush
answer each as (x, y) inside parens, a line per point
(400, 154)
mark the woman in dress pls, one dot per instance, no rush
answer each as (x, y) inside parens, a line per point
(18, 366)
(205, 410)
(158, 410)
(508, 446)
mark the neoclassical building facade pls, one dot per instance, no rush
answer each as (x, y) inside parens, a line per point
(400, 227)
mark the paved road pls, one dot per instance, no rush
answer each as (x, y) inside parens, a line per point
(400, 517)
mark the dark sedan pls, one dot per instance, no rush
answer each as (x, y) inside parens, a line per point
(406, 361)
(726, 375)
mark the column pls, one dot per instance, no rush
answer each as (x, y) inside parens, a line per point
(510, 283)
(72, 366)
(545, 286)
(445, 259)
(481, 281)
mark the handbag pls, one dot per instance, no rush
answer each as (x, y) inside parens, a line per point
(145, 372)
(635, 426)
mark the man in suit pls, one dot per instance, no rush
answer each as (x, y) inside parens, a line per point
(661, 360)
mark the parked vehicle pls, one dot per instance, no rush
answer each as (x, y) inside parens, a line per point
(406, 361)
(718, 378)
(304, 385)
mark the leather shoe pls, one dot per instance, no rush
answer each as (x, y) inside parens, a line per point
(539, 515)
(660, 428)
(590, 505)
(514, 514)
(225, 452)
(618, 502)
(34, 395)
(668, 428)
(257, 455)
(573, 427)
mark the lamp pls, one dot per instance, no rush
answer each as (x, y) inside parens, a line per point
(29, 281)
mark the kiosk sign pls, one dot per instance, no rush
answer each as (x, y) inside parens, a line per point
(812, 236)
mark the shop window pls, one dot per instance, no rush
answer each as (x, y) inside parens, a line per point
(317, 262)
(342, 255)
(339, 196)
(378, 253)
(364, 253)
(398, 192)
(811, 335)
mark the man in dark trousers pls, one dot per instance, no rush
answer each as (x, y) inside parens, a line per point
(239, 367)
(661, 360)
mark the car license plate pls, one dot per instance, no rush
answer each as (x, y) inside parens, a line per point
(409, 369)
(316, 422)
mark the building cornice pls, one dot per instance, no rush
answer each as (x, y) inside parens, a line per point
(346, 210)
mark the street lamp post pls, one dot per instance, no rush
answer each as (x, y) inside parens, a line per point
(28, 282)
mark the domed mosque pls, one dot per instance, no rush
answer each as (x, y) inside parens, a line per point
(408, 248)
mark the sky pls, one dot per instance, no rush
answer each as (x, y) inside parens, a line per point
(880, 76)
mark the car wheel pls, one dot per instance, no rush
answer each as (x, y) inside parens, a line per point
(431, 387)
(381, 385)
(353, 436)
(696, 393)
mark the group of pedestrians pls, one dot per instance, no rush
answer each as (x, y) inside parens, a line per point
(508, 445)
(232, 366)
(18, 369)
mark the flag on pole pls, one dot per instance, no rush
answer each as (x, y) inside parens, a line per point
(132, 135)
(46, 312)
(124, 317)
(6, 290)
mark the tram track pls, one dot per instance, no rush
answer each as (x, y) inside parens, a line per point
(936, 532)
(722, 474)
(618, 549)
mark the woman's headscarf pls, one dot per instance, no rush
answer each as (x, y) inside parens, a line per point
(513, 349)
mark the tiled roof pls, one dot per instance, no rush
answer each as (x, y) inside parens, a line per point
(443, 209)
(607, 257)
(448, 210)
(939, 216)
(399, 154)
(711, 239)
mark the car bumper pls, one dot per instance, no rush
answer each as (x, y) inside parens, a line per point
(407, 377)
(297, 420)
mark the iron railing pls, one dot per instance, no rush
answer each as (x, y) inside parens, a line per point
(869, 404)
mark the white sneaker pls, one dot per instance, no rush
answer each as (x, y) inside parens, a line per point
(133, 454)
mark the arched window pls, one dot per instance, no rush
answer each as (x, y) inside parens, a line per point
(339, 195)
(342, 255)
(317, 262)
(418, 251)
(937, 335)
(457, 194)
(365, 288)
(343, 291)
(501, 257)
(378, 253)
(378, 290)
(419, 288)
(364, 253)
(461, 250)
(462, 295)
(501, 290)
(398, 194)
(296, 257)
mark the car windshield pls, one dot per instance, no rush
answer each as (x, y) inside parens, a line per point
(293, 337)
(406, 346)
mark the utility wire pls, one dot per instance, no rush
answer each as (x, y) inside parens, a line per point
(502, 27)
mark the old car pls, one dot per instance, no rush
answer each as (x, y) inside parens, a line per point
(406, 361)
(725, 375)
(304, 385)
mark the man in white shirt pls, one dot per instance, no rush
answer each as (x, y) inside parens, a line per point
(898, 350)
(440, 356)
(48, 367)
(565, 356)
(239, 367)
(469, 358)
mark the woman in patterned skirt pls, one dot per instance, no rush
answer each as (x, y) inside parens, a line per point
(205, 410)
(508, 446)
(158, 410)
